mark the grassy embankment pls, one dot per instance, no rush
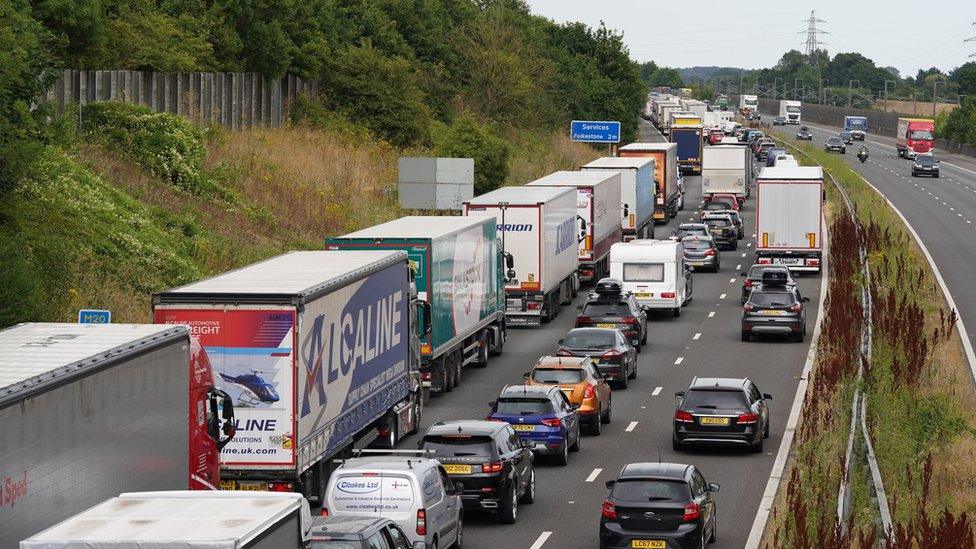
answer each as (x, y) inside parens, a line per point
(140, 202)
(918, 386)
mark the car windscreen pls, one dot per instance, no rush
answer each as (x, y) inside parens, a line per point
(337, 544)
(772, 299)
(756, 271)
(640, 490)
(845, 135)
(458, 445)
(643, 272)
(717, 222)
(922, 135)
(833, 140)
(717, 205)
(697, 398)
(524, 406)
(590, 339)
(557, 375)
(925, 161)
(606, 309)
(696, 245)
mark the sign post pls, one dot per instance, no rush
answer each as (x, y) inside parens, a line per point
(94, 316)
(595, 131)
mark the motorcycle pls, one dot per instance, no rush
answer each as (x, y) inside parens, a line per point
(862, 155)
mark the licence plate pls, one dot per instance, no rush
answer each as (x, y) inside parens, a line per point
(524, 427)
(713, 420)
(648, 544)
(773, 313)
(605, 325)
(789, 261)
(457, 469)
(639, 295)
(694, 262)
(246, 486)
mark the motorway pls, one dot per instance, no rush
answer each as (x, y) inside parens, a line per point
(942, 211)
(703, 341)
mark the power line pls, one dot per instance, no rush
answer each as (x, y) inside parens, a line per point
(813, 36)
(973, 39)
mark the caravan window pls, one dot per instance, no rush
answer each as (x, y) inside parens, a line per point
(643, 272)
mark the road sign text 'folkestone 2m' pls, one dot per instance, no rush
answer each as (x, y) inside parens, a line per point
(595, 131)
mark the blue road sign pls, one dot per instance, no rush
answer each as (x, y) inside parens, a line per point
(595, 131)
(94, 316)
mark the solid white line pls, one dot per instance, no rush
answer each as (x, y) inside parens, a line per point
(631, 427)
(721, 296)
(711, 314)
(696, 336)
(679, 360)
(657, 391)
(541, 540)
(596, 472)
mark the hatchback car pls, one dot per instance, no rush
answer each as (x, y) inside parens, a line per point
(714, 206)
(580, 381)
(762, 149)
(715, 136)
(690, 229)
(834, 143)
(774, 307)
(736, 220)
(658, 505)
(779, 121)
(925, 164)
(718, 410)
(753, 277)
(613, 356)
(358, 533)
(489, 459)
(701, 253)
(609, 307)
(732, 200)
(804, 134)
(723, 230)
(846, 137)
(542, 416)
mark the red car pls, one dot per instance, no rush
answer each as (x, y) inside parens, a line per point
(715, 137)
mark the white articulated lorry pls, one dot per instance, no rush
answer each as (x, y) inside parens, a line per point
(185, 520)
(598, 212)
(538, 230)
(789, 217)
(791, 111)
(748, 104)
(637, 191)
(726, 169)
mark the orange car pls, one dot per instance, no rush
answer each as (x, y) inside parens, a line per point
(582, 384)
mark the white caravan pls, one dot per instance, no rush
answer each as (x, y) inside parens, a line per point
(654, 271)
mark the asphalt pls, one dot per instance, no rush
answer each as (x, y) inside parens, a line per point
(704, 340)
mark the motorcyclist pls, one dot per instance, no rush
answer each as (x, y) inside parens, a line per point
(862, 154)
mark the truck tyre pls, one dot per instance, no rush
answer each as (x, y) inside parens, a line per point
(457, 368)
(500, 344)
(554, 305)
(483, 343)
(448, 376)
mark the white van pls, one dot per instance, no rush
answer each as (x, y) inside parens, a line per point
(654, 271)
(414, 492)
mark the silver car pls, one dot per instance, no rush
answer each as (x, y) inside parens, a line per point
(701, 253)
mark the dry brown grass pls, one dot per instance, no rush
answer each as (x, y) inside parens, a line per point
(532, 160)
(914, 108)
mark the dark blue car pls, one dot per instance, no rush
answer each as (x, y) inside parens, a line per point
(542, 416)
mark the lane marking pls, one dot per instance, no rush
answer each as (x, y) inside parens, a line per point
(749, 245)
(631, 427)
(657, 391)
(596, 472)
(743, 254)
(679, 360)
(541, 540)
(731, 281)
(739, 266)
(711, 314)
(721, 296)
(698, 335)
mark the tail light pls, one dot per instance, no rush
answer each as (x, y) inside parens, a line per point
(748, 283)
(495, 467)
(612, 353)
(324, 512)
(796, 308)
(280, 486)
(422, 521)
(609, 511)
(583, 320)
(629, 320)
(668, 295)
(710, 253)
(747, 307)
(683, 416)
(589, 392)
(764, 261)
(813, 262)
(692, 512)
(425, 376)
(563, 352)
(533, 305)
(552, 422)
(747, 417)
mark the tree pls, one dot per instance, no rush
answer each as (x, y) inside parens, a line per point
(964, 76)
(465, 138)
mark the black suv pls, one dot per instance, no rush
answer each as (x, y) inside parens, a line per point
(753, 278)
(357, 532)
(609, 307)
(925, 164)
(493, 463)
(721, 410)
(658, 505)
(723, 230)
(774, 307)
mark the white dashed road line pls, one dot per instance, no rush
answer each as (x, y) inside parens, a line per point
(631, 427)
(711, 314)
(696, 336)
(679, 360)
(596, 472)
(541, 540)
(721, 296)
(657, 391)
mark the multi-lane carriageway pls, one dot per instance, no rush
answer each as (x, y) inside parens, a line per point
(704, 340)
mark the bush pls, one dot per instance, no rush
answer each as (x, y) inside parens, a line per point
(465, 138)
(312, 112)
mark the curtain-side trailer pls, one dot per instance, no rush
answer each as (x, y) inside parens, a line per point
(636, 193)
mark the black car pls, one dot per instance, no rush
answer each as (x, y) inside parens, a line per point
(609, 307)
(357, 532)
(846, 137)
(701, 252)
(488, 457)
(690, 229)
(834, 143)
(804, 134)
(779, 121)
(925, 164)
(736, 220)
(723, 230)
(614, 356)
(774, 307)
(714, 205)
(753, 277)
(658, 505)
(720, 410)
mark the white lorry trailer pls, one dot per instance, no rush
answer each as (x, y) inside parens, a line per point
(748, 104)
(726, 169)
(791, 111)
(185, 520)
(789, 217)
(598, 212)
(538, 230)
(637, 192)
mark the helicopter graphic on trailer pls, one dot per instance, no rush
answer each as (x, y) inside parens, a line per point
(256, 389)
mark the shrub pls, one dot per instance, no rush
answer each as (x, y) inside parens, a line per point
(465, 138)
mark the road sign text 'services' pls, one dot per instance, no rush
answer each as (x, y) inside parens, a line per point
(595, 131)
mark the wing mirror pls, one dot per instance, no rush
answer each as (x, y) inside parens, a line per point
(609, 484)
(526, 375)
(626, 210)
(713, 487)
(805, 300)
(767, 396)
(509, 260)
(560, 342)
(679, 394)
(459, 487)
(491, 404)
(743, 274)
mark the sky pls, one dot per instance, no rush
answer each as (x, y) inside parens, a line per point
(907, 35)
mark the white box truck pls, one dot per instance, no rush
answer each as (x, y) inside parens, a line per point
(538, 229)
(637, 192)
(318, 349)
(89, 410)
(789, 217)
(726, 169)
(598, 212)
(791, 111)
(748, 104)
(185, 520)
(654, 271)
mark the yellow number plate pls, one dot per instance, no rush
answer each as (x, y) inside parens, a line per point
(227, 485)
(252, 486)
(605, 325)
(458, 469)
(643, 294)
(648, 544)
(772, 312)
(524, 427)
(713, 420)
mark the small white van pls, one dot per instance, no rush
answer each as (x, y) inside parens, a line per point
(414, 492)
(654, 271)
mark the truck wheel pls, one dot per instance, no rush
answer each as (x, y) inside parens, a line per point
(482, 351)
(500, 344)
(457, 369)
(554, 306)
(448, 377)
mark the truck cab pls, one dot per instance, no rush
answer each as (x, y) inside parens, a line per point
(790, 110)
(915, 136)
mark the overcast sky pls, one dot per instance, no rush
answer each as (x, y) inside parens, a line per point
(688, 33)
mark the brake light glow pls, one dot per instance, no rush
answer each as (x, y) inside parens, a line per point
(533, 305)
(747, 417)
(813, 262)
(612, 353)
(609, 511)
(422, 522)
(552, 422)
(683, 416)
(710, 252)
(668, 295)
(692, 512)
(589, 392)
(324, 512)
(796, 308)
(495, 467)
(747, 307)
(748, 283)
(629, 320)
(764, 261)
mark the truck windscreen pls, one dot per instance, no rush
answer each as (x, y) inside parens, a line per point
(921, 135)
(792, 108)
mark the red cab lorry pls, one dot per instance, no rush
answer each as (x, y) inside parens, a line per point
(915, 136)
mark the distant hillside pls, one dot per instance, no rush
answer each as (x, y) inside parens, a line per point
(693, 73)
